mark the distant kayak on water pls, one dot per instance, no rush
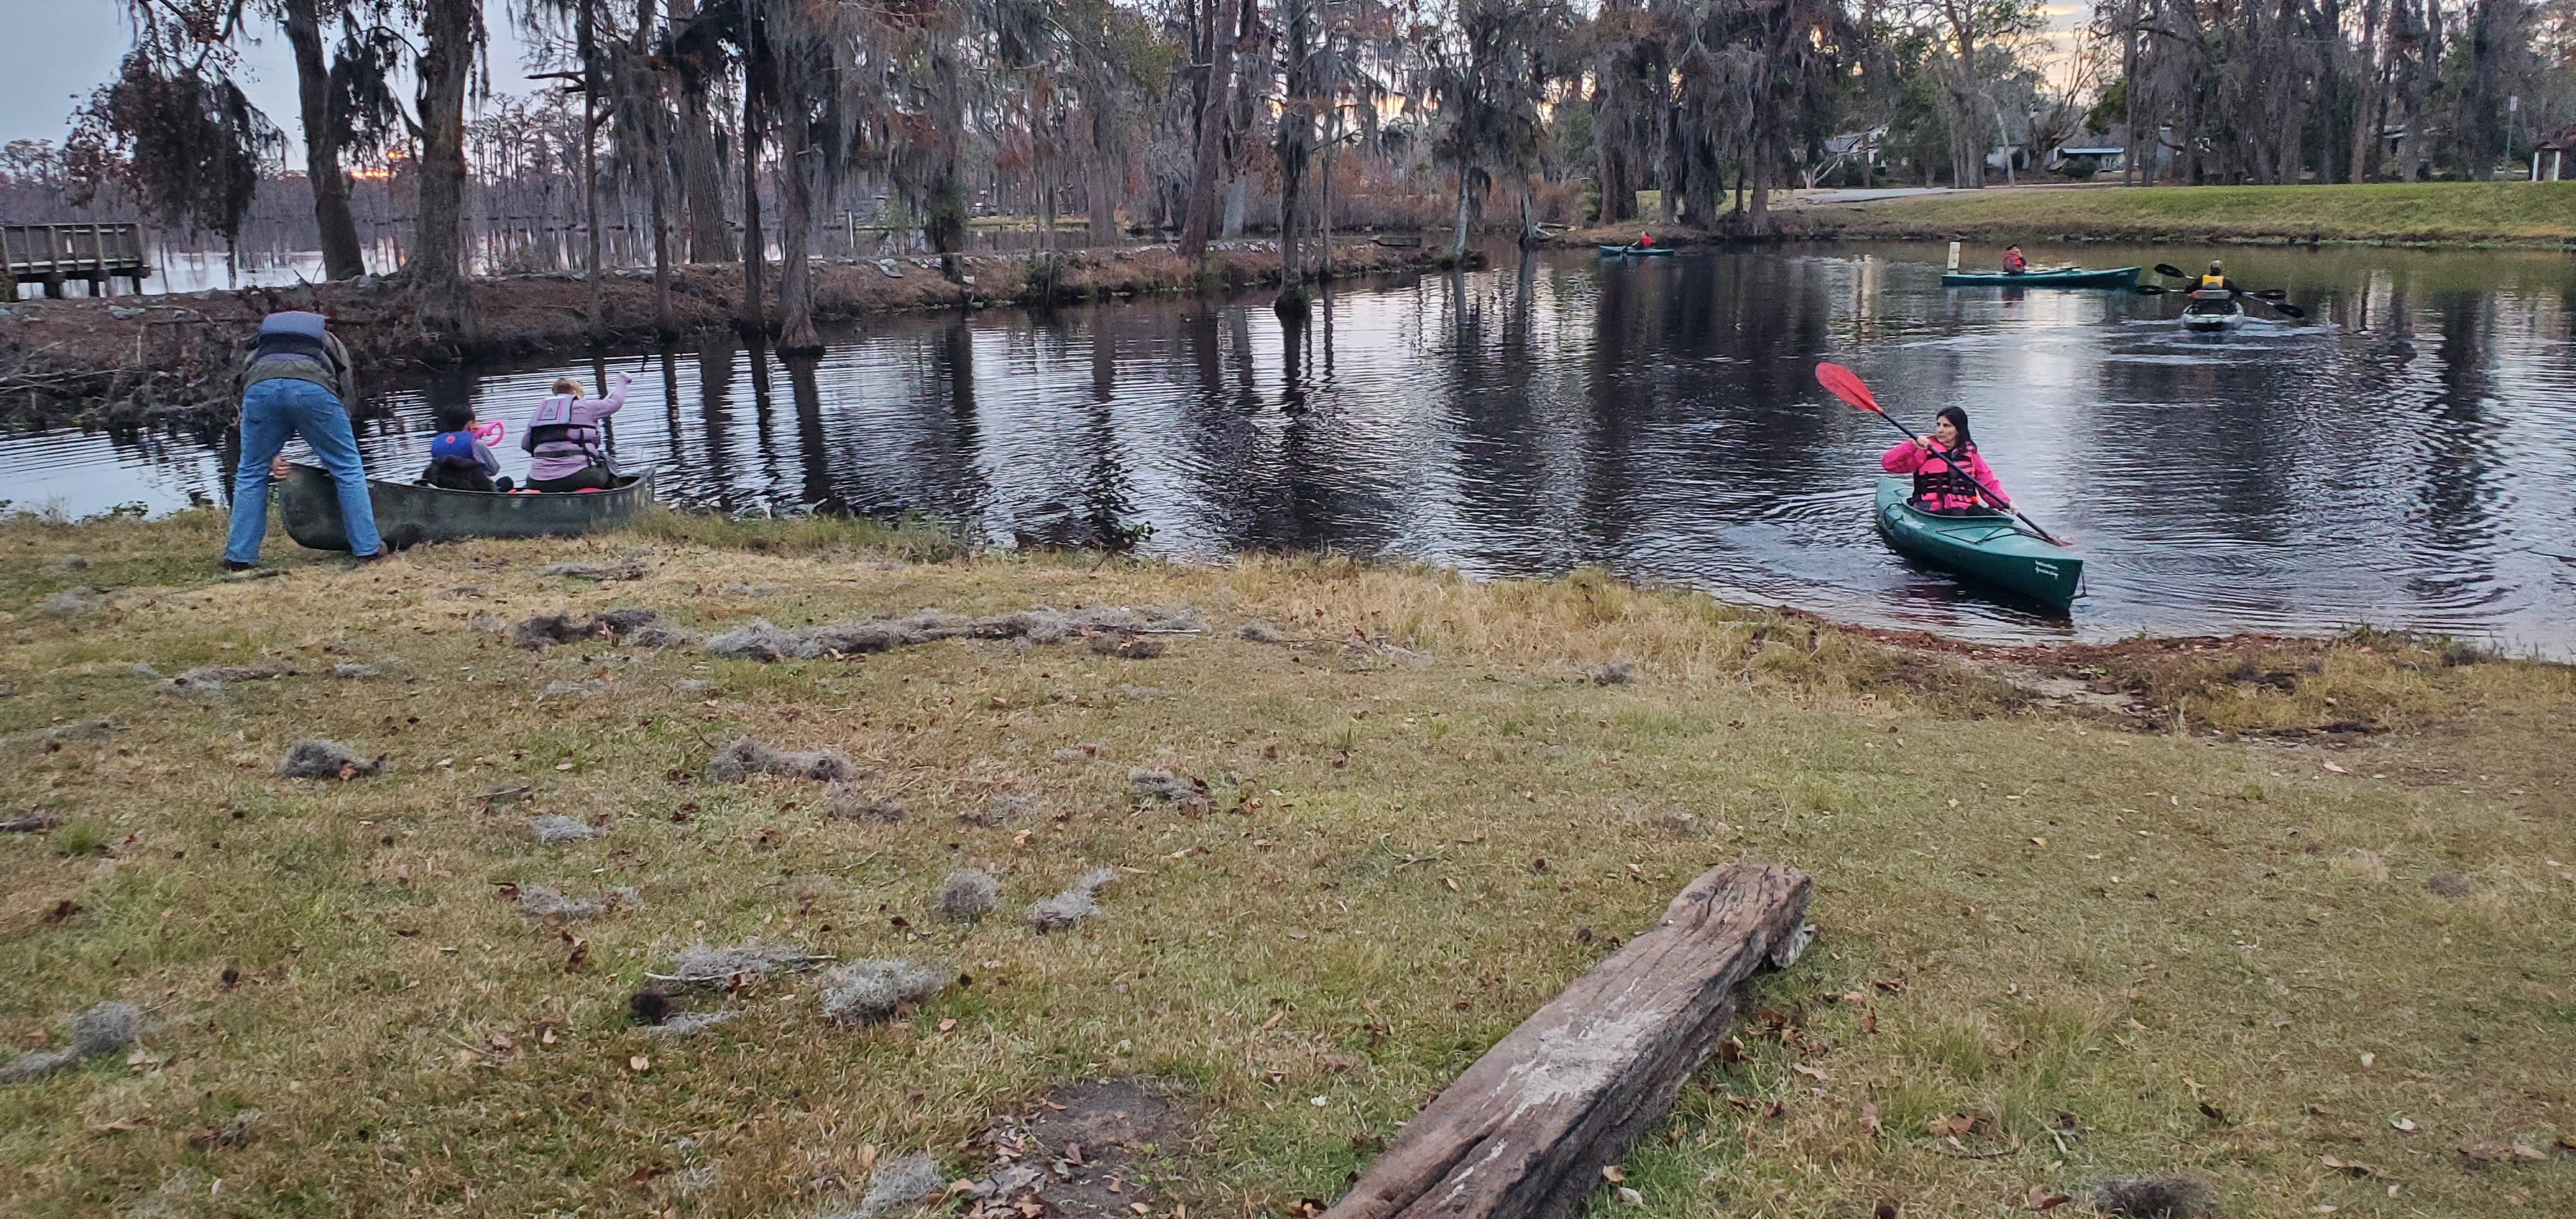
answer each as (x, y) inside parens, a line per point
(2121, 278)
(1656, 251)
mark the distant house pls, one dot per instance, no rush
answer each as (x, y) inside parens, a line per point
(2110, 155)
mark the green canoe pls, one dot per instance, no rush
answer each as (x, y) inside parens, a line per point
(408, 514)
(1653, 251)
(1984, 545)
(2068, 277)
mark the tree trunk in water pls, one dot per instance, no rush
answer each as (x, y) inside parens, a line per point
(795, 219)
(1210, 159)
(1458, 244)
(342, 257)
(1324, 205)
(701, 165)
(1758, 216)
(657, 167)
(586, 45)
(450, 30)
(1237, 201)
(1101, 194)
(1295, 137)
(753, 319)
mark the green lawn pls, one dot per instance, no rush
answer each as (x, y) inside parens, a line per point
(2443, 212)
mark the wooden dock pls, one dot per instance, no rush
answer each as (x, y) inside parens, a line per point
(57, 254)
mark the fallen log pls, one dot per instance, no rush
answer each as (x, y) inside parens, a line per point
(1526, 1131)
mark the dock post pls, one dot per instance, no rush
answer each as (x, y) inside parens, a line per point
(1954, 256)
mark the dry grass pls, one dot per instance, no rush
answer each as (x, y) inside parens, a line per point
(2124, 952)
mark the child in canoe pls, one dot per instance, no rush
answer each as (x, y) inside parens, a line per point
(1949, 475)
(458, 458)
(566, 447)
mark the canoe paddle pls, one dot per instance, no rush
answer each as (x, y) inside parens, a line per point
(1842, 383)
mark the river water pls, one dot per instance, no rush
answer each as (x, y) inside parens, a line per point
(2399, 458)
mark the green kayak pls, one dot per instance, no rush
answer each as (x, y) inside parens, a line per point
(2067, 277)
(1652, 251)
(408, 514)
(1984, 545)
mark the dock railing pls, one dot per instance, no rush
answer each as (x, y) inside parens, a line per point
(57, 254)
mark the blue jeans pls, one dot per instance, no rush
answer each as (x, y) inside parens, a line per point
(272, 411)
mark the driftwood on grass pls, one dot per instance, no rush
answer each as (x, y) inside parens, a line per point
(1525, 1133)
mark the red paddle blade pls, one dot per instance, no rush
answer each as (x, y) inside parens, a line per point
(1842, 383)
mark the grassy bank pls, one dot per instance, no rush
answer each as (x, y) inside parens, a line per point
(171, 360)
(2213, 909)
(2427, 213)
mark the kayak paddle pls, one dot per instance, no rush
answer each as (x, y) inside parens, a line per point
(2268, 296)
(1842, 383)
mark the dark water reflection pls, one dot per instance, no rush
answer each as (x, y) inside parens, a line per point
(2400, 458)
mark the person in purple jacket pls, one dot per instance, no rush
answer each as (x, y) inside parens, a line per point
(566, 449)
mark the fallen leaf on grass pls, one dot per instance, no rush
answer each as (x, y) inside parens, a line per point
(2337, 769)
(1869, 1117)
(1812, 1073)
(2406, 1124)
(1613, 1174)
(1631, 1197)
(121, 1125)
(1731, 1050)
(2040, 1199)
(2354, 1167)
(1950, 1127)
(639, 1063)
(2498, 1153)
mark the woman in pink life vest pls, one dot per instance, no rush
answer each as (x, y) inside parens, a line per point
(1949, 475)
(567, 450)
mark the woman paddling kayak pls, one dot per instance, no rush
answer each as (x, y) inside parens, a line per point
(1949, 475)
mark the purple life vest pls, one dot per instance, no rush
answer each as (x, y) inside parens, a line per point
(553, 434)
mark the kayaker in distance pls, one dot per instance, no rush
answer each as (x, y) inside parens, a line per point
(2014, 263)
(1645, 241)
(1949, 474)
(2216, 281)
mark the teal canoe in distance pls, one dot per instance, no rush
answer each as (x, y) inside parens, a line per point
(2070, 277)
(1656, 251)
(408, 514)
(1984, 545)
